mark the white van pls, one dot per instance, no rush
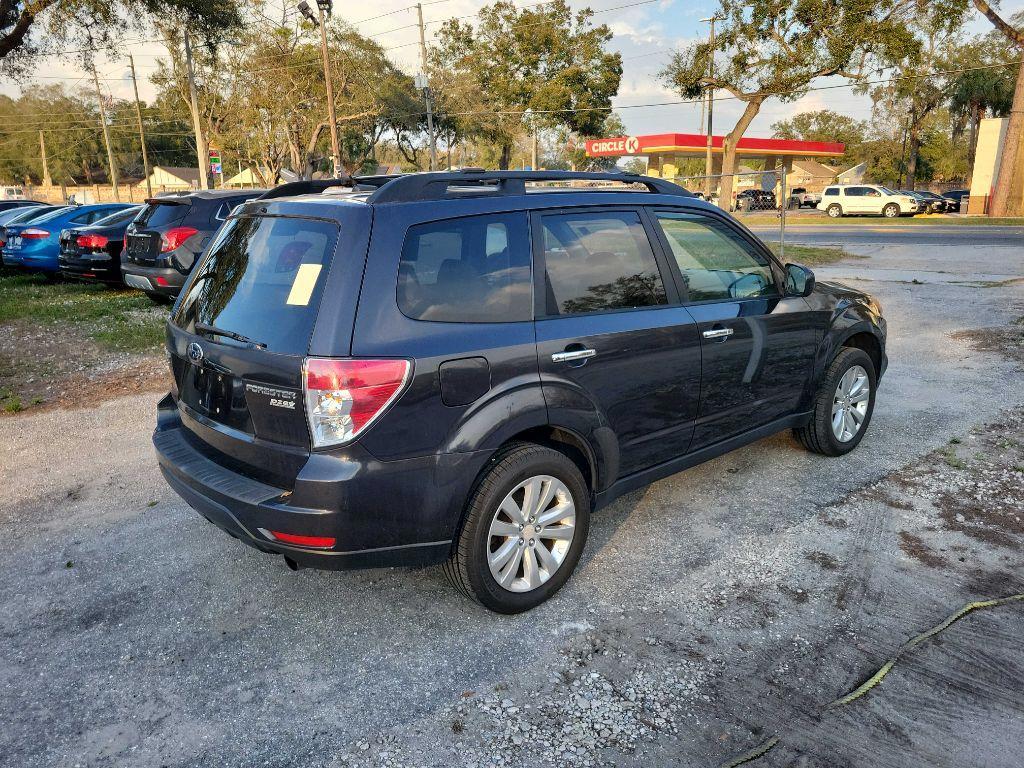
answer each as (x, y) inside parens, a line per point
(12, 193)
(867, 199)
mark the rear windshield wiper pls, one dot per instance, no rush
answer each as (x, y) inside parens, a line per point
(211, 330)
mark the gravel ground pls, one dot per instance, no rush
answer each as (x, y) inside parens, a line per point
(712, 612)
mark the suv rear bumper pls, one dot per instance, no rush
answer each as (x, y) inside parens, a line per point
(163, 280)
(382, 514)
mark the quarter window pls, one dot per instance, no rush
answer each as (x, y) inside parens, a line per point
(832, 192)
(598, 262)
(715, 262)
(468, 270)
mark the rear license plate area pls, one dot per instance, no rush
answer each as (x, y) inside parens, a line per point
(211, 391)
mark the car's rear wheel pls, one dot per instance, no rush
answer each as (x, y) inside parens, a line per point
(842, 406)
(524, 530)
(891, 211)
(834, 211)
(158, 298)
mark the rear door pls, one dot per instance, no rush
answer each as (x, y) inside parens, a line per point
(143, 235)
(757, 345)
(611, 331)
(243, 399)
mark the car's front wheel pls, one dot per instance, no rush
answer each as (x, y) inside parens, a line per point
(891, 211)
(842, 406)
(834, 211)
(524, 530)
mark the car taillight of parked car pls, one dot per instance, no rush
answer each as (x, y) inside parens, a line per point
(343, 397)
(173, 238)
(96, 242)
(34, 234)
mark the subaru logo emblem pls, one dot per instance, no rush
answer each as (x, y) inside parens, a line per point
(195, 352)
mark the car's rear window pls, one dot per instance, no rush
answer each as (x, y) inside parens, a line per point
(117, 217)
(262, 278)
(162, 214)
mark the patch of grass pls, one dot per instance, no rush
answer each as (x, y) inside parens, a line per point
(950, 457)
(812, 255)
(118, 319)
(955, 441)
(12, 404)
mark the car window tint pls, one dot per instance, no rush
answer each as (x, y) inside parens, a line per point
(716, 263)
(832, 191)
(474, 269)
(599, 262)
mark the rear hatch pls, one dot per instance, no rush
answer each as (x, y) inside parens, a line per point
(240, 334)
(143, 238)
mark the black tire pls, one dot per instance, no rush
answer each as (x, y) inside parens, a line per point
(159, 298)
(817, 436)
(834, 211)
(891, 211)
(467, 566)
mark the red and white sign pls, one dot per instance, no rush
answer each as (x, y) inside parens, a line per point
(623, 145)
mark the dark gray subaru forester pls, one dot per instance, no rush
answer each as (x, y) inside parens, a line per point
(460, 368)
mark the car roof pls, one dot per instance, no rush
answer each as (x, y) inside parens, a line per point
(206, 194)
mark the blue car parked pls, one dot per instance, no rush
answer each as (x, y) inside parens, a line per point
(35, 246)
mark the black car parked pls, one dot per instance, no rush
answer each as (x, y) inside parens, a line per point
(162, 244)
(458, 368)
(756, 200)
(94, 252)
(955, 198)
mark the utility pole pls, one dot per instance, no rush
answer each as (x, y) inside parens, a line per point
(426, 90)
(47, 181)
(142, 133)
(201, 154)
(709, 165)
(106, 135)
(533, 154)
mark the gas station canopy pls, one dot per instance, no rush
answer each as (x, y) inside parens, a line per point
(695, 145)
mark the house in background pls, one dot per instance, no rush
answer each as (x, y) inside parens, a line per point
(247, 179)
(854, 175)
(811, 175)
(165, 178)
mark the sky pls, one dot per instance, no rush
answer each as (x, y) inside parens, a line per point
(645, 32)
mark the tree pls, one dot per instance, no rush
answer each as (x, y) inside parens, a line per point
(546, 59)
(31, 27)
(826, 125)
(982, 88)
(1008, 194)
(776, 50)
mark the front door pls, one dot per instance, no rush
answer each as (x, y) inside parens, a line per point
(757, 345)
(612, 336)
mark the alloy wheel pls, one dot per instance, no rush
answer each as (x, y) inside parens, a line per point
(850, 403)
(531, 533)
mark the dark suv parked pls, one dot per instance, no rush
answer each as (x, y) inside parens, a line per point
(460, 368)
(162, 244)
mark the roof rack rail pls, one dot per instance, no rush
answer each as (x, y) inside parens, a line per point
(438, 185)
(312, 186)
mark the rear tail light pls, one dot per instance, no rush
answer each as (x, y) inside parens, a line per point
(173, 238)
(315, 542)
(92, 241)
(34, 234)
(343, 397)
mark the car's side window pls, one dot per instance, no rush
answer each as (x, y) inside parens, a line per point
(715, 262)
(831, 192)
(474, 269)
(599, 262)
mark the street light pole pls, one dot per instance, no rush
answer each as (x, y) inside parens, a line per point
(709, 165)
(320, 21)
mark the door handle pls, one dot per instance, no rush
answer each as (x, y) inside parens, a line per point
(718, 333)
(575, 354)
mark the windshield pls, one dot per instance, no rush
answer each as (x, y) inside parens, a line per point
(51, 215)
(118, 217)
(263, 279)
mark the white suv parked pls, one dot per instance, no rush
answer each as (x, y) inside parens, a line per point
(853, 199)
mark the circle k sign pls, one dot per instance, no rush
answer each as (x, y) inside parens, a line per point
(623, 145)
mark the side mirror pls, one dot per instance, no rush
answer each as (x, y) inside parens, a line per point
(799, 280)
